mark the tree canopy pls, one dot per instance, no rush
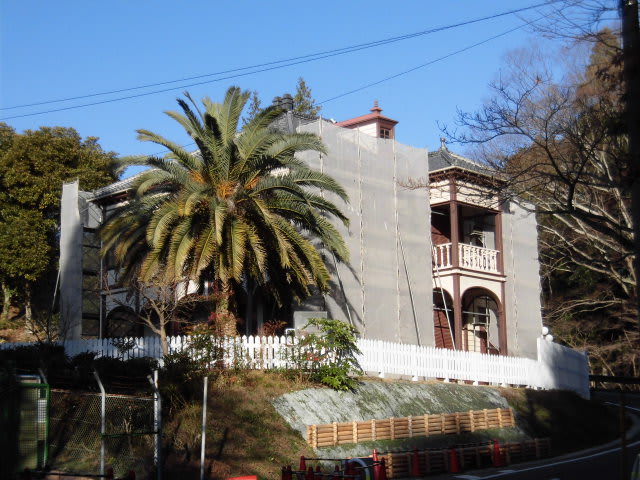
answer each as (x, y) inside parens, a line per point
(242, 208)
(303, 101)
(561, 145)
(33, 166)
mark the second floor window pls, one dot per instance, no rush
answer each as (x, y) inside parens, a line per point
(385, 133)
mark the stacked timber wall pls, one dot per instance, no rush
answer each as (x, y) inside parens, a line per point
(335, 433)
(435, 461)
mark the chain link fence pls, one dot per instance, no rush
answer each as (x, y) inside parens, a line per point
(76, 441)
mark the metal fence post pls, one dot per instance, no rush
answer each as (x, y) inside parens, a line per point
(103, 421)
(157, 424)
(204, 426)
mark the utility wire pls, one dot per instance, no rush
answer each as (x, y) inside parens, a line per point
(430, 62)
(269, 66)
(469, 47)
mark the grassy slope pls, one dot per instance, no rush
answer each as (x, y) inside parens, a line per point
(246, 436)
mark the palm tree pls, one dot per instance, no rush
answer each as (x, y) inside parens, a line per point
(242, 209)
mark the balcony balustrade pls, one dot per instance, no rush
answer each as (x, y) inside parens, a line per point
(470, 257)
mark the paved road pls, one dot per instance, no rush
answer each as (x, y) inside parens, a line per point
(596, 464)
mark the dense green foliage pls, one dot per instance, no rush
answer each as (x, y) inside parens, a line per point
(303, 101)
(33, 166)
(242, 210)
(332, 353)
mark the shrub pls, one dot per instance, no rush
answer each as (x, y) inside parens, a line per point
(331, 353)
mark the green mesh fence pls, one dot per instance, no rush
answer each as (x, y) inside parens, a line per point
(33, 428)
(75, 433)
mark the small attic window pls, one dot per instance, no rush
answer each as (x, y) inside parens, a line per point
(385, 133)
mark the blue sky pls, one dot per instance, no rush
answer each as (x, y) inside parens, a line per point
(54, 50)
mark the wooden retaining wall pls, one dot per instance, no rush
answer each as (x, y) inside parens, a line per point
(477, 456)
(418, 426)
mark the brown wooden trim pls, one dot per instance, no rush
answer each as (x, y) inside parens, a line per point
(457, 314)
(452, 173)
(499, 242)
(502, 322)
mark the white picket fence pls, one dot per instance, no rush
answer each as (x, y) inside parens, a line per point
(556, 366)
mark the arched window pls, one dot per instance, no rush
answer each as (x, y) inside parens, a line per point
(480, 322)
(443, 319)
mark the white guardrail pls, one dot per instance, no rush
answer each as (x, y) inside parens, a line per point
(556, 367)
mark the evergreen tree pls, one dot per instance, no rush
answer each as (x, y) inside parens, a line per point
(303, 101)
(255, 105)
(33, 166)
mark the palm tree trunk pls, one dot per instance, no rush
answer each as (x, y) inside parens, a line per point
(225, 317)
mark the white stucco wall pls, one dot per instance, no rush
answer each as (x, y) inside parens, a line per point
(386, 288)
(522, 303)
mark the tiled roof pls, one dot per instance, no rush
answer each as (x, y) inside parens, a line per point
(116, 187)
(374, 115)
(365, 118)
(442, 159)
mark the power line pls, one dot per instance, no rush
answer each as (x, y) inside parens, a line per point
(430, 62)
(257, 68)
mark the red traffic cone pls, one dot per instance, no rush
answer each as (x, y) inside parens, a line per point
(376, 464)
(454, 466)
(303, 464)
(310, 475)
(289, 473)
(283, 476)
(415, 463)
(497, 457)
(377, 470)
(383, 471)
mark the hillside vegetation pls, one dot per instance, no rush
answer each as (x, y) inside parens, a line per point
(256, 419)
(247, 435)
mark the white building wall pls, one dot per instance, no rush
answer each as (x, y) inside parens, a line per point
(385, 291)
(523, 304)
(70, 326)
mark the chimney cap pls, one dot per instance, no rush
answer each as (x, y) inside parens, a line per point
(376, 108)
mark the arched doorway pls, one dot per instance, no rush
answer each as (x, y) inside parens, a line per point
(480, 321)
(443, 319)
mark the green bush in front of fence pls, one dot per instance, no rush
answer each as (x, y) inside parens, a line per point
(327, 356)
